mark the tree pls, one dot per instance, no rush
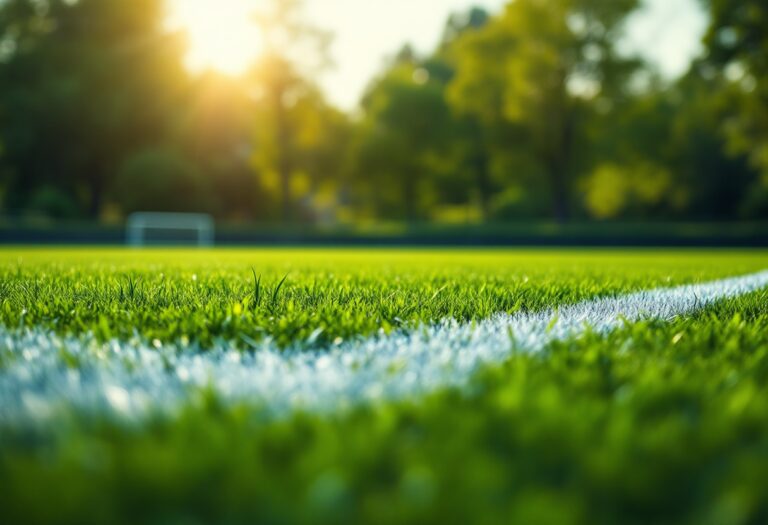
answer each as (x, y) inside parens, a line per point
(535, 67)
(737, 43)
(718, 182)
(404, 132)
(300, 149)
(294, 50)
(471, 140)
(159, 178)
(83, 85)
(459, 23)
(415, 159)
(215, 133)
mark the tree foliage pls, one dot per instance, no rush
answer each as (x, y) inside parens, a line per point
(536, 67)
(737, 44)
(531, 112)
(84, 85)
(289, 105)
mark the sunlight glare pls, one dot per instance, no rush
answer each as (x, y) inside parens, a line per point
(221, 33)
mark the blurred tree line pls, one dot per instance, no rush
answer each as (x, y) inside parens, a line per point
(530, 113)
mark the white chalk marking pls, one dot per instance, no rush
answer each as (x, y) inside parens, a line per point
(46, 375)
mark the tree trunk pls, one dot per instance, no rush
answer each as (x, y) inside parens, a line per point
(96, 192)
(284, 160)
(558, 180)
(409, 198)
(558, 157)
(479, 163)
(483, 181)
(282, 142)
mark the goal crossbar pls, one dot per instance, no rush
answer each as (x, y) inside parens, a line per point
(139, 223)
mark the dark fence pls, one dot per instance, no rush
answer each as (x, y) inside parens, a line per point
(744, 235)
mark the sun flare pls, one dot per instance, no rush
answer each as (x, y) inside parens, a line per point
(221, 33)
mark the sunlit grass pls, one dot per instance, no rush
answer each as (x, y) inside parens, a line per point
(659, 422)
(290, 295)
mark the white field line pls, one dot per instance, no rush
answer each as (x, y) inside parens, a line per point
(132, 379)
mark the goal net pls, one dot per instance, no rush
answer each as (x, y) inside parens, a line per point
(163, 229)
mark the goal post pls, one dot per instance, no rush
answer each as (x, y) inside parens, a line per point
(144, 229)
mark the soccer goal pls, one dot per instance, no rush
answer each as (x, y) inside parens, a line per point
(165, 229)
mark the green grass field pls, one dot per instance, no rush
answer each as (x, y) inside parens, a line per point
(659, 421)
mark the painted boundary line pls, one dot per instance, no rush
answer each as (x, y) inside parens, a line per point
(46, 375)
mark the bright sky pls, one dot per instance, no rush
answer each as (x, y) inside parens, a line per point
(668, 32)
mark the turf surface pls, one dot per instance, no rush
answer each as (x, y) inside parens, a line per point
(294, 295)
(657, 422)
